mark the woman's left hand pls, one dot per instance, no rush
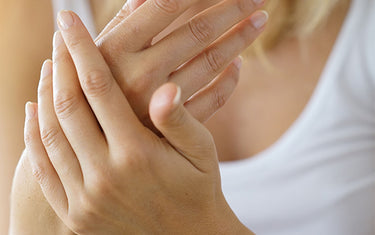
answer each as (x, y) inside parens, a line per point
(103, 172)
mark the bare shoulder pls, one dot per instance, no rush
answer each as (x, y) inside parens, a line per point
(28, 202)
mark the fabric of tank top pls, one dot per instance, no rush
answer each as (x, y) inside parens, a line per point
(319, 177)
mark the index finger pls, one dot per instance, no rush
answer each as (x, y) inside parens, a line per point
(102, 92)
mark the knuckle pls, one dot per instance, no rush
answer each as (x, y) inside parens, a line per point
(136, 159)
(101, 183)
(49, 137)
(215, 60)
(245, 6)
(39, 173)
(74, 43)
(201, 30)
(123, 13)
(96, 83)
(65, 103)
(61, 55)
(168, 6)
(219, 99)
(28, 138)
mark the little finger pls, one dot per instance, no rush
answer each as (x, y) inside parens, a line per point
(41, 166)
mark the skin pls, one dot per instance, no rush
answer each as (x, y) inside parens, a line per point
(283, 92)
(295, 108)
(185, 181)
(243, 34)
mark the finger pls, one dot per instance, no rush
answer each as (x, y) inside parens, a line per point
(42, 168)
(205, 103)
(73, 112)
(202, 69)
(58, 148)
(201, 31)
(184, 132)
(103, 94)
(129, 7)
(136, 32)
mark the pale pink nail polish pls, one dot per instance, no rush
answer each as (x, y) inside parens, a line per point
(259, 19)
(258, 2)
(177, 98)
(238, 62)
(65, 19)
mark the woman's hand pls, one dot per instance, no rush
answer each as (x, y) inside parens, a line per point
(102, 171)
(192, 56)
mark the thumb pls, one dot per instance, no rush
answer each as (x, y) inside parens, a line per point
(182, 130)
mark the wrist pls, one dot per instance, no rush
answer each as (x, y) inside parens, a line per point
(228, 222)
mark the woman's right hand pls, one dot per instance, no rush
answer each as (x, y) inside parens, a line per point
(202, 51)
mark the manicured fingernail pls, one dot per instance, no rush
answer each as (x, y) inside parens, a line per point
(259, 19)
(29, 110)
(258, 2)
(46, 69)
(238, 62)
(57, 39)
(177, 98)
(65, 19)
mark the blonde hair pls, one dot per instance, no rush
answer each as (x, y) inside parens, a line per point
(288, 18)
(293, 18)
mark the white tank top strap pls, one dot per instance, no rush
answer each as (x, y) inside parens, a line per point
(81, 7)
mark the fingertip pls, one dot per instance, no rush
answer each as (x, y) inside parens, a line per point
(46, 68)
(30, 123)
(177, 97)
(65, 19)
(164, 101)
(238, 62)
(30, 110)
(57, 39)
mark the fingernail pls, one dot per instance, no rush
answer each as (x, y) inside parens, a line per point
(258, 2)
(65, 19)
(259, 19)
(29, 110)
(57, 39)
(238, 62)
(177, 98)
(46, 69)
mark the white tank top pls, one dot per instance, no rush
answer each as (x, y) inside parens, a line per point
(319, 177)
